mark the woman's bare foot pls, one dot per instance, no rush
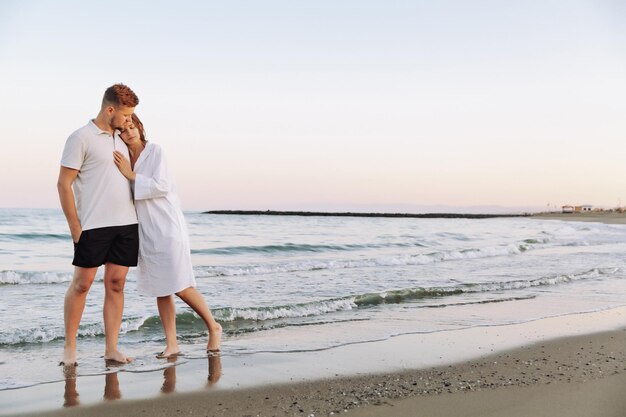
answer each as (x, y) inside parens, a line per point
(117, 358)
(69, 357)
(169, 352)
(215, 338)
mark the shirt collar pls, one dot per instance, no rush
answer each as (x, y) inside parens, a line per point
(97, 130)
(144, 154)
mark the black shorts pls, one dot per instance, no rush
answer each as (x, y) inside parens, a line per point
(115, 244)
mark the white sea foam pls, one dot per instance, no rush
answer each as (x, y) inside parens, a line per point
(11, 383)
(394, 260)
(9, 277)
(49, 333)
(291, 311)
(28, 277)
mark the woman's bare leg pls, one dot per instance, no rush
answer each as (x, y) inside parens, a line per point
(195, 300)
(167, 311)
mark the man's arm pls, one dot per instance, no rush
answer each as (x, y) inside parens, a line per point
(66, 195)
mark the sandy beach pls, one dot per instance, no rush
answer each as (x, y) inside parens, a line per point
(544, 375)
(566, 365)
(597, 217)
(577, 376)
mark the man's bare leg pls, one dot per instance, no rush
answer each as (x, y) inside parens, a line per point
(73, 309)
(114, 281)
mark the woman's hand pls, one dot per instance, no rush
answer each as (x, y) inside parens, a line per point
(123, 165)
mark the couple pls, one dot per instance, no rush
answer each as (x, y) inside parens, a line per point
(122, 210)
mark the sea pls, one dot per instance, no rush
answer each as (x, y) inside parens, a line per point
(294, 284)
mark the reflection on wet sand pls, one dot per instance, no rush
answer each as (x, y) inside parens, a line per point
(169, 377)
(169, 374)
(70, 395)
(215, 370)
(112, 389)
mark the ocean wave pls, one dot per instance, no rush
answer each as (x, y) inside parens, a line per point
(35, 236)
(13, 277)
(394, 296)
(44, 277)
(411, 294)
(237, 319)
(302, 247)
(315, 308)
(394, 260)
(33, 277)
(188, 320)
(48, 334)
(248, 319)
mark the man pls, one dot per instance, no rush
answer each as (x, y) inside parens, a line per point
(97, 202)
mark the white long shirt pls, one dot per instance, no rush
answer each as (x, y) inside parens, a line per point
(164, 252)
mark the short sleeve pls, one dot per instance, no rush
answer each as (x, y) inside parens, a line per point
(73, 153)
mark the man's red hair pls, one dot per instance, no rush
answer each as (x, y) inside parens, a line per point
(120, 95)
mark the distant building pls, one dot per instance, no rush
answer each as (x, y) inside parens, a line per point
(567, 209)
(585, 208)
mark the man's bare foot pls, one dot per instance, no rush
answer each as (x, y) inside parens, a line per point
(116, 358)
(69, 357)
(215, 338)
(169, 353)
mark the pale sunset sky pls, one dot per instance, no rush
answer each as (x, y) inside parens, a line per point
(330, 105)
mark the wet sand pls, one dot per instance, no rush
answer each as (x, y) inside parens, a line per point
(581, 375)
(586, 370)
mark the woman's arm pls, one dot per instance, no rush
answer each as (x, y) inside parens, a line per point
(159, 183)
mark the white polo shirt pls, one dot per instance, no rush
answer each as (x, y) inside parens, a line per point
(103, 195)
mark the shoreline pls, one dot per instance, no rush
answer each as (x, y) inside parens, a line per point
(608, 217)
(559, 350)
(358, 214)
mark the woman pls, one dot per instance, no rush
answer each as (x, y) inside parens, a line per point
(164, 254)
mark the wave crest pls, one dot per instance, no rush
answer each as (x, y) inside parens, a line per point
(397, 260)
(28, 277)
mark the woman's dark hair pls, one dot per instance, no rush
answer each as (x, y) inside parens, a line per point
(139, 126)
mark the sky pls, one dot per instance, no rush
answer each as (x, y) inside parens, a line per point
(330, 105)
